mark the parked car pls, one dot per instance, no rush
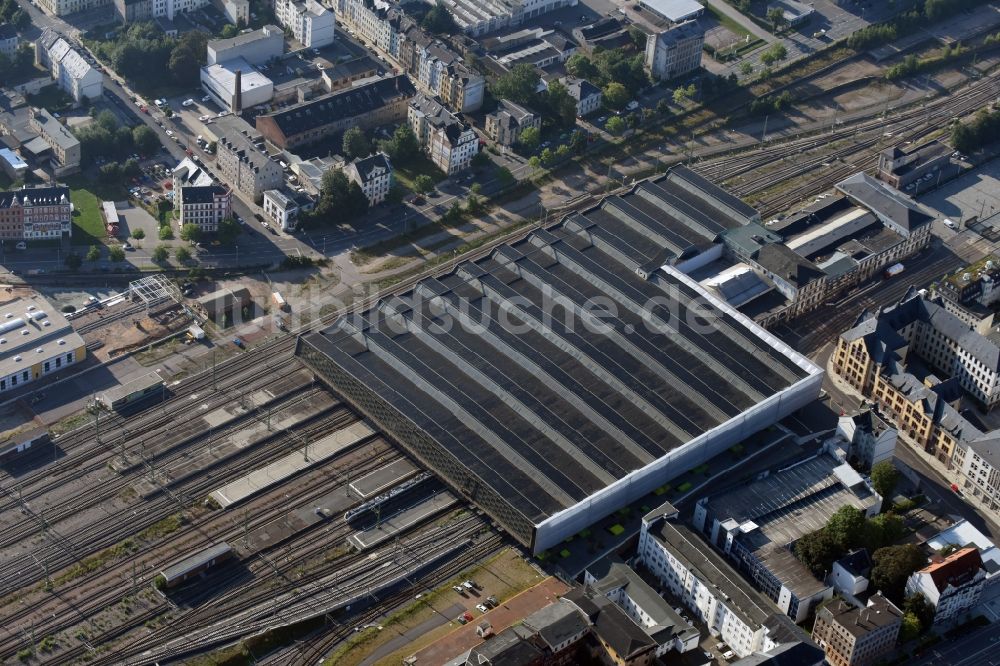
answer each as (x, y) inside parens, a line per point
(239, 343)
(482, 609)
(458, 588)
(187, 102)
(461, 619)
(951, 225)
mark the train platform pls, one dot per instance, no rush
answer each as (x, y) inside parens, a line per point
(384, 478)
(198, 419)
(392, 526)
(283, 468)
(287, 414)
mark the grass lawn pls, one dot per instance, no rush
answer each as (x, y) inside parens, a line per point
(406, 172)
(86, 196)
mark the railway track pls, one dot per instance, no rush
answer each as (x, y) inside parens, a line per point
(146, 562)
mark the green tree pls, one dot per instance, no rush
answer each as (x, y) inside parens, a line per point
(228, 231)
(561, 105)
(535, 162)
(505, 177)
(190, 232)
(885, 476)
(580, 66)
(847, 527)
(637, 36)
(182, 254)
(423, 183)
(111, 172)
(188, 57)
(773, 54)
(229, 31)
(818, 551)
(776, 17)
(883, 530)
(892, 565)
(530, 138)
(910, 630)
(918, 606)
(615, 126)
(340, 199)
(680, 94)
(481, 160)
(94, 253)
(73, 261)
(355, 144)
(519, 85)
(562, 152)
(116, 253)
(21, 20)
(439, 20)
(746, 68)
(615, 96)
(138, 234)
(160, 254)
(402, 146)
(145, 140)
(546, 156)
(578, 142)
(663, 108)
(166, 232)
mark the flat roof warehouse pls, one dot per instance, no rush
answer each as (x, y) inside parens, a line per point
(566, 375)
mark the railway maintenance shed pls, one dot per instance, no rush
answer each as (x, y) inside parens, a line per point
(569, 373)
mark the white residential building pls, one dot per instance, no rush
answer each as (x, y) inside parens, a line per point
(311, 23)
(705, 583)
(9, 41)
(72, 72)
(204, 206)
(64, 7)
(870, 439)
(978, 465)
(588, 96)
(280, 209)
(374, 175)
(952, 584)
(450, 143)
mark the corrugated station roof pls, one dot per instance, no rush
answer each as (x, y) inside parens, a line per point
(523, 389)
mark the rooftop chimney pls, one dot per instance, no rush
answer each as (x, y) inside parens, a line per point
(238, 97)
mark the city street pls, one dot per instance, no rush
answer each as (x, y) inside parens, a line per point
(977, 648)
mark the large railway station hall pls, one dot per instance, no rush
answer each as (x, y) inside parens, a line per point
(569, 373)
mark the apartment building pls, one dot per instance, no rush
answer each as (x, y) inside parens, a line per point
(504, 126)
(9, 41)
(379, 102)
(870, 439)
(281, 209)
(449, 143)
(64, 7)
(35, 213)
(204, 206)
(675, 51)
(588, 96)
(435, 69)
(242, 161)
(704, 582)
(311, 23)
(71, 71)
(374, 175)
(65, 147)
(852, 636)
(952, 584)
(978, 463)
